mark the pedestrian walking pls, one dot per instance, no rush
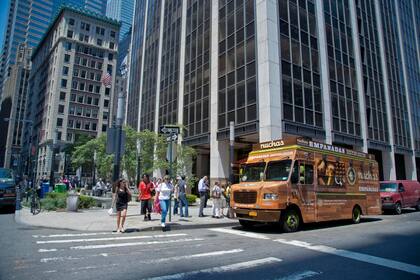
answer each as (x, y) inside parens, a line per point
(176, 199)
(121, 195)
(228, 193)
(145, 195)
(216, 194)
(182, 197)
(223, 200)
(202, 189)
(163, 192)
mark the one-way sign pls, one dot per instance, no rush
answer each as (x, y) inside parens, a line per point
(172, 137)
(169, 129)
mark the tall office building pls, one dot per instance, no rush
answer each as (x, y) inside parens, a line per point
(27, 22)
(13, 109)
(72, 82)
(121, 10)
(341, 72)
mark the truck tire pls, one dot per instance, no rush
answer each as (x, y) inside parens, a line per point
(290, 221)
(247, 224)
(398, 209)
(355, 215)
(418, 205)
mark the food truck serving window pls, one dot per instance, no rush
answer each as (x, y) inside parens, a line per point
(278, 170)
(253, 172)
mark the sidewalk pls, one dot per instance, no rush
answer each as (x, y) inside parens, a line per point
(99, 220)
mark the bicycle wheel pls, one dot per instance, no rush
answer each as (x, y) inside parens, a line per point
(36, 207)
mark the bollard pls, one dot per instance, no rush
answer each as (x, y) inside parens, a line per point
(18, 205)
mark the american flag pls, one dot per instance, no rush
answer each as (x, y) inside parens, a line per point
(107, 80)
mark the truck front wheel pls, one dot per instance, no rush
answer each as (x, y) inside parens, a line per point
(290, 221)
(247, 224)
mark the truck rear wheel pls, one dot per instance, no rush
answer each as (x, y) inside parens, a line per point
(290, 221)
(356, 213)
(247, 224)
(418, 205)
(398, 209)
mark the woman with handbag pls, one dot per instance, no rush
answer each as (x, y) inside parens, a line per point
(121, 195)
(163, 193)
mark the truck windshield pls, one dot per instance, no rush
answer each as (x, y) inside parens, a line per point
(6, 173)
(278, 170)
(253, 172)
(388, 187)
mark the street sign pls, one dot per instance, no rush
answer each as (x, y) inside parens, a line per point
(172, 137)
(166, 129)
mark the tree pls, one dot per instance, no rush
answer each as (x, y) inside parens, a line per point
(184, 160)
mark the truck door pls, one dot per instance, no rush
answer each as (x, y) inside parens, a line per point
(404, 197)
(303, 187)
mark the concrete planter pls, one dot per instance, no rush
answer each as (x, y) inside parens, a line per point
(72, 202)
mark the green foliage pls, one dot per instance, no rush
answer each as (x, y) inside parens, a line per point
(191, 198)
(192, 182)
(184, 160)
(86, 202)
(54, 201)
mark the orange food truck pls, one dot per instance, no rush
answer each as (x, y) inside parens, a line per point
(295, 181)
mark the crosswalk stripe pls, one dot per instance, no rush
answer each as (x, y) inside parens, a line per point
(300, 275)
(47, 250)
(240, 233)
(355, 256)
(134, 244)
(110, 238)
(221, 269)
(147, 261)
(74, 234)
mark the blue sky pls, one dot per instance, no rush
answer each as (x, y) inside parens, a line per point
(4, 6)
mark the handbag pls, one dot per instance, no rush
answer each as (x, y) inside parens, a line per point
(156, 206)
(111, 211)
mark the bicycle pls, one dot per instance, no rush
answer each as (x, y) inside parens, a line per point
(35, 202)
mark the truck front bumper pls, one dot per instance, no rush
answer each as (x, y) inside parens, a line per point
(258, 215)
(388, 206)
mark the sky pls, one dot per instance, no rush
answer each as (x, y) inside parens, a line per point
(4, 6)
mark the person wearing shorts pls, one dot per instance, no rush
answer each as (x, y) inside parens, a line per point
(145, 195)
(121, 195)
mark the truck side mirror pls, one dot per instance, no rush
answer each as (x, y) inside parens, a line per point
(401, 188)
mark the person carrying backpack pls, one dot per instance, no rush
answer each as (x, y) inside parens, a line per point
(216, 194)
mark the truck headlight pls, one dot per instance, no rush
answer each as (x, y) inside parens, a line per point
(271, 196)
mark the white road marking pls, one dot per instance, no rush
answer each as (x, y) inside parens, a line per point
(46, 250)
(221, 269)
(300, 275)
(240, 233)
(50, 271)
(355, 256)
(73, 234)
(155, 261)
(110, 238)
(134, 244)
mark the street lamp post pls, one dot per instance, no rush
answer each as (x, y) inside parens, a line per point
(231, 154)
(54, 144)
(138, 144)
(119, 124)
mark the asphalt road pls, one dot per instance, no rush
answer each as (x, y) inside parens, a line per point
(382, 247)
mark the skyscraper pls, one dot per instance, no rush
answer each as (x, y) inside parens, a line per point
(121, 10)
(27, 22)
(342, 72)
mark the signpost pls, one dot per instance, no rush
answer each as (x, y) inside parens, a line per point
(171, 132)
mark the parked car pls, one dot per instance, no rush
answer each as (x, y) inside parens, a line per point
(400, 194)
(7, 187)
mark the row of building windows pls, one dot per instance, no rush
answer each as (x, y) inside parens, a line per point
(237, 70)
(86, 26)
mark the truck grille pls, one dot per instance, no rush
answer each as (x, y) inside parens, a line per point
(245, 197)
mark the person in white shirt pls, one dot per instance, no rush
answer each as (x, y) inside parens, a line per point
(202, 189)
(216, 194)
(163, 192)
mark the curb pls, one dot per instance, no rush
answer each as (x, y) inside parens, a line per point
(170, 226)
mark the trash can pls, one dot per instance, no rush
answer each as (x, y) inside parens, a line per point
(60, 188)
(45, 187)
(72, 202)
